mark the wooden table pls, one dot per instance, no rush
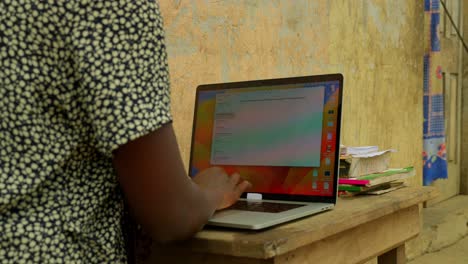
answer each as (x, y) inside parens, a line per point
(358, 229)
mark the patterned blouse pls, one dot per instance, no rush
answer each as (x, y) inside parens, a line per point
(78, 79)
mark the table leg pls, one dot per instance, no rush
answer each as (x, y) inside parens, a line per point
(394, 256)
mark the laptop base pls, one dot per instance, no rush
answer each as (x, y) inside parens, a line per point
(255, 220)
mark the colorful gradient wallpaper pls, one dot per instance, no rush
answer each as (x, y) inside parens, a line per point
(287, 165)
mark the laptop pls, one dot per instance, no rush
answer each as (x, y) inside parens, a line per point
(282, 135)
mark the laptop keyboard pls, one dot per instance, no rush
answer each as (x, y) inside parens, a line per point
(266, 207)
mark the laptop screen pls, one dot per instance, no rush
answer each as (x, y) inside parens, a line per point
(283, 137)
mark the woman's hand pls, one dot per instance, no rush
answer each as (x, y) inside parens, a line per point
(224, 189)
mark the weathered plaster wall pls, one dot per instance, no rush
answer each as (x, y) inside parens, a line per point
(376, 44)
(464, 110)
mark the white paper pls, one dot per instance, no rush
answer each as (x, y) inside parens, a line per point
(373, 154)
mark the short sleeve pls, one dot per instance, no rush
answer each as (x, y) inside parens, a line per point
(121, 60)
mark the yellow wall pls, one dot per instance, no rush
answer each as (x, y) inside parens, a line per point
(377, 45)
(464, 108)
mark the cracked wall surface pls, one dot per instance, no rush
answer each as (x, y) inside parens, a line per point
(377, 45)
(464, 110)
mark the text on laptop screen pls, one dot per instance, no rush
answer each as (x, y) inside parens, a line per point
(281, 138)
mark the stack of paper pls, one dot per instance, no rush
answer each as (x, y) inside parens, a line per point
(375, 183)
(360, 161)
(345, 151)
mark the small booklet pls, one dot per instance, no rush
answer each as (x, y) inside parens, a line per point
(375, 181)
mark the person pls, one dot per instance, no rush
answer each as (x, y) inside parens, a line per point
(85, 128)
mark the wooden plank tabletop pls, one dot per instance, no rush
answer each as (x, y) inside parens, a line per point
(349, 213)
